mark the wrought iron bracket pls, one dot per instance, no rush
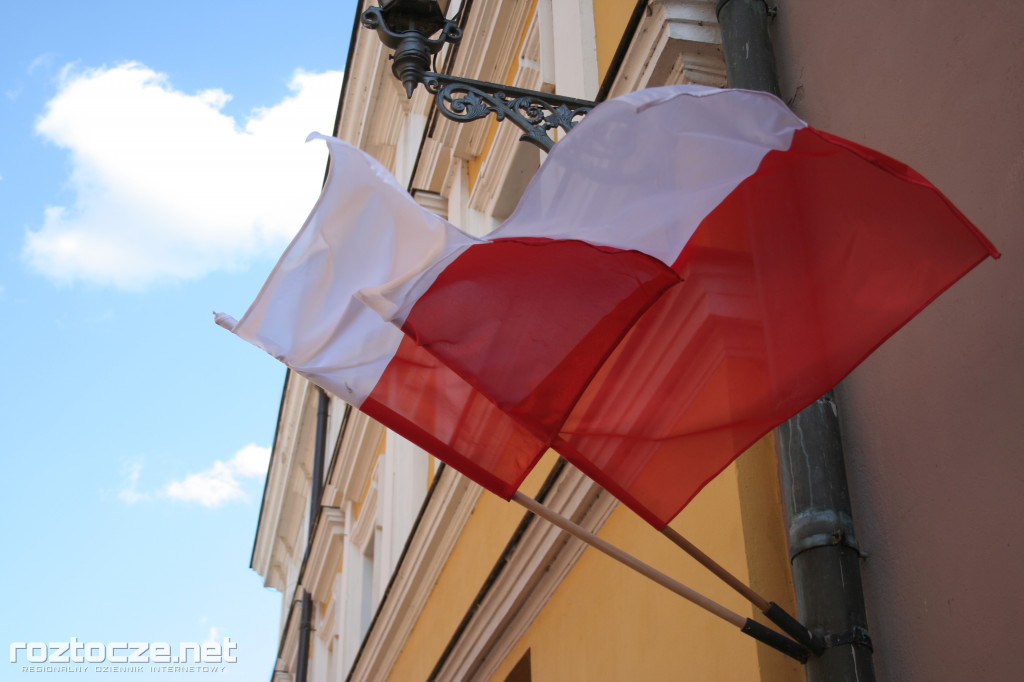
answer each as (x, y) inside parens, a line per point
(406, 28)
(535, 113)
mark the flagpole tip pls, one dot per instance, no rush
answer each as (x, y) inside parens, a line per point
(225, 321)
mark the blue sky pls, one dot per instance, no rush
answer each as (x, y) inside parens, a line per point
(152, 168)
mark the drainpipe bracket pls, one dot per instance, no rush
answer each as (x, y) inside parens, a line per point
(858, 636)
(822, 528)
(772, 11)
(833, 539)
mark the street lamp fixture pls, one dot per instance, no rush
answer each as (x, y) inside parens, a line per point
(406, 26)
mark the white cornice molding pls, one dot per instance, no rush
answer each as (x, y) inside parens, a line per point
(435, 162)
(446, 513)
(495, 27)
(677, 41)
(535, 60)
(433, 202)
(364, 80)
(289, 642)
(487, 52)
(375, 105)
(326, 623)
(324, 553)
(367, 521)
(280, 462)
(276, 538)
(541, 561)
(357, 457)
(505, 149)
(491, 39)
(575, 48)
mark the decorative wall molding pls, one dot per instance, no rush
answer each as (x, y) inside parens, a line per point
(325, 623)
(286, 498)
(510, 164)
(324, 554)
(487, 52)
(541, 561)
(432, 201)
(447, 511)
(367, 522)
(677, 41)
(357, 456)
(575, 47)
(289, 642)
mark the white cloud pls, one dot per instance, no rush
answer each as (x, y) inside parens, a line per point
(219, 483)
(251, 461)
(43, 61)
(168, 187)
(211, 488)
(129, 493)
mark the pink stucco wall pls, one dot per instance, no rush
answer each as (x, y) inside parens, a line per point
(934, 420)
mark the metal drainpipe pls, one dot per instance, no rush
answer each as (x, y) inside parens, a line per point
(823, 549)
(315, 490)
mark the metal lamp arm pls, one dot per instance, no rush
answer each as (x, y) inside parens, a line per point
(535, 113)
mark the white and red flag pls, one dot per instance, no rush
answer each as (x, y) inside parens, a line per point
(689, 268)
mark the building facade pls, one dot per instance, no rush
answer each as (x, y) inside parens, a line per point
(414, 573)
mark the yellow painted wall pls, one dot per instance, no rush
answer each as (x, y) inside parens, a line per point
(764, 537)
(610, 20)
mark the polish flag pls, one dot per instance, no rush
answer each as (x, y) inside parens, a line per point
(689, 268)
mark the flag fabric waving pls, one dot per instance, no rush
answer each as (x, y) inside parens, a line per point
(689, 268)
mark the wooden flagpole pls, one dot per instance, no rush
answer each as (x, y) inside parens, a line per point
(707, 562)
(771, 610)
(746, 625)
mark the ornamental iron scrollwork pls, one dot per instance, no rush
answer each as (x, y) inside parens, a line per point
(406, 26)
(536, 113)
